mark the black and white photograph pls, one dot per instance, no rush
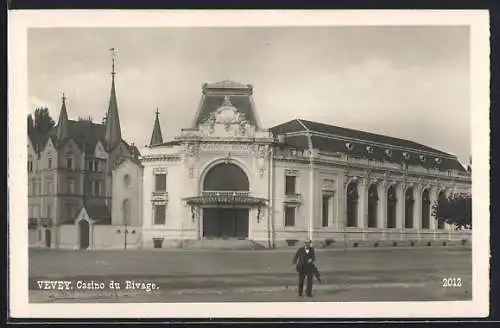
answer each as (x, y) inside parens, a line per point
(224, 163)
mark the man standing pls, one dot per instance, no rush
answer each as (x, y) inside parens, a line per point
(304, 260)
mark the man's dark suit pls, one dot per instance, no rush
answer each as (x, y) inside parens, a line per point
(304, 262)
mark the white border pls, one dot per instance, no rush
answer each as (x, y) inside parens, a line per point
(19, 21)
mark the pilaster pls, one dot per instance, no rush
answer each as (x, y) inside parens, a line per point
(417, 207)
(382, 204)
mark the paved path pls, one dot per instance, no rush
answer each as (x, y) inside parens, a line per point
(246, 276)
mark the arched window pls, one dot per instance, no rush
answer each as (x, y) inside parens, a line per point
(409, 208)
(226, 177)
(441, 198)
(352, 204)
(126, 211)
(426, 209)
(372, 206)
(391, 207)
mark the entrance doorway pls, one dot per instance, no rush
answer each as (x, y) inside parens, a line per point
(84, 234)
(47, 238)
(225, 223)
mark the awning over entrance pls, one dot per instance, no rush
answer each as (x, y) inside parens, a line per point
(225, 199)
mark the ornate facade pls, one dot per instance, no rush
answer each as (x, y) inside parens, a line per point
(226, 177)
(72, 171)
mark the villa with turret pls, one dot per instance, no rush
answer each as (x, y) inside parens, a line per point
(227, 177)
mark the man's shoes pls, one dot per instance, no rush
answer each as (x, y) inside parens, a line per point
(300, 295)
(309, 295)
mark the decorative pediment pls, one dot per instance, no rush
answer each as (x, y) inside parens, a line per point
(229, 118)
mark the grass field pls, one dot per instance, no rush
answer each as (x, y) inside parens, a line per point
(412, 274)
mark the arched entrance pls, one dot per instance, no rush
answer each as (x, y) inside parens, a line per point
(391, 207)
(84, 230)
(48, 235)
(441, 198)
(372, 206)
(352, 204)
(225, 180)
(409, 208)
(426, 209)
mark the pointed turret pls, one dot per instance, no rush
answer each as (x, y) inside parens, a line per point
(156, 137)
(113, 134)
(62, 124)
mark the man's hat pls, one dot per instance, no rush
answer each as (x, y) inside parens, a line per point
(307, 241)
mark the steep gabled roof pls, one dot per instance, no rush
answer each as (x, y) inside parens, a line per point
(99, 213)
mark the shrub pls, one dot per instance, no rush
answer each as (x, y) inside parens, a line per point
(412, 244)
(375, 244)
(429, 243)
(355, 245)
(328, 242)
(394, 244)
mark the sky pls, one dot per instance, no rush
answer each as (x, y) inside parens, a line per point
(410, 82)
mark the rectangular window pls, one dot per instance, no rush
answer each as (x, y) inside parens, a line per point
(49, 211)
(39, 187)
(89, 166)
(88, 188)
(161, 182)
(30, 166)
(50, 163)
(49, 188)
(159, 215)
(290, 182)
(289, 216)
(70, 186)
(326, 212)
(97, 188)
(69, 163)
(96, 166)
(36, 211)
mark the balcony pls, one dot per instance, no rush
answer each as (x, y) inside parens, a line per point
(159, 196)
(226, 193)
(293, 198)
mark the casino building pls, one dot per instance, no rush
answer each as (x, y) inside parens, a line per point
(227, 177)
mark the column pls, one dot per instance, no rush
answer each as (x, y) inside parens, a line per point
(382, 204)
(340, 219)
(363, 186)
(432, 220)
(417, 208)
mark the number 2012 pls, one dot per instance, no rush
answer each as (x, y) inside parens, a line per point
(452, 282)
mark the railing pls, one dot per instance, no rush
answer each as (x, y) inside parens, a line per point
(159, 196)
(225, 193)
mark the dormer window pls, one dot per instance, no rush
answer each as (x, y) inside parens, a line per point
(422, 158)
(349, 146)
(369, 149)
(437, 160)
(50, 163)
(69, 163)
(388, 153)
(406, 155)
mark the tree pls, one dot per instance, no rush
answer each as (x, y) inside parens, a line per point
(43, 122)
(456, 210)
(31, 125)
